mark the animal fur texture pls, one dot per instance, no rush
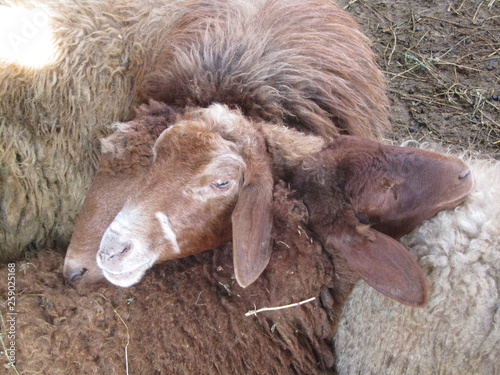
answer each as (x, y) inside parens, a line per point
(187, 316)
(303, 62)
(51, 118)
(459, 331)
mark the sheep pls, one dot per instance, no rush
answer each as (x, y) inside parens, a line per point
(214, 170)
(302, 63)
(458, 332)
(191, 310)
(212, 167)
(210, 222)
(127, 155)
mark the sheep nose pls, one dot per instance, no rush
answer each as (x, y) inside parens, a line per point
(73, 276)
(114, 248)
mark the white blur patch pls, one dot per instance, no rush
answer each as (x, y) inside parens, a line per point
(26, 36)
(225, 118)
(168, 231)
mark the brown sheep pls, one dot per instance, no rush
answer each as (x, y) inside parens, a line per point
(361, 195)
(304, 63)
(458, 331)
(127, 154)
(191, 311)
(211, 182)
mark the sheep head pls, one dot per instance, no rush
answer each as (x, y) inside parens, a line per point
(361, 195)
(210, 183)
(126, 155)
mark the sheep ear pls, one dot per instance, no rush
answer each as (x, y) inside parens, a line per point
(252, 223)
(383, 263)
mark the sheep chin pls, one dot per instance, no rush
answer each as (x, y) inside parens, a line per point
(127, 279)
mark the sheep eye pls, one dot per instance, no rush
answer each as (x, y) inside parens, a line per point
(221, 184)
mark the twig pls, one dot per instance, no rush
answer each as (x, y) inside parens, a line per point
(128, 332)
(255, 312)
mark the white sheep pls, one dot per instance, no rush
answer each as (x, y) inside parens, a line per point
(459, 331)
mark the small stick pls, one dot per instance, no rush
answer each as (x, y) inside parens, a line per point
(255, 312)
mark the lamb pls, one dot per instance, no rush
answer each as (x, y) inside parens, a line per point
(301, 63)
(458, 332)
(192, 310)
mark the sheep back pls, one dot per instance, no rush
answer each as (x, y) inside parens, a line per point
(303, 62)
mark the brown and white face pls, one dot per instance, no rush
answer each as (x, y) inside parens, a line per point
(210, 182)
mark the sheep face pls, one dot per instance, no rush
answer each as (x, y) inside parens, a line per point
(361, 194)
(210, 182)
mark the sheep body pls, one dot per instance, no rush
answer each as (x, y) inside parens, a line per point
(305, 63)
(458, 332)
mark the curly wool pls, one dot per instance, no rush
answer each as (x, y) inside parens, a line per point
(187, 316)
(458, 332)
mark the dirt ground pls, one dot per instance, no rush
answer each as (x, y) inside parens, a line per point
(441, 59)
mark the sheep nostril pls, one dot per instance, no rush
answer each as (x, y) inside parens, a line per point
(464, 174)
(76, 275)
(126, 247)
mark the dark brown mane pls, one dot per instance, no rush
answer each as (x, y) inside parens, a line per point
(303, 62)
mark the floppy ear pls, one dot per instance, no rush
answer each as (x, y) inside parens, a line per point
(252, 223)
(382, 262)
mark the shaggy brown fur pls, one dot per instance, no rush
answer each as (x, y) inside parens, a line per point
(302, 61)
(186, 316)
